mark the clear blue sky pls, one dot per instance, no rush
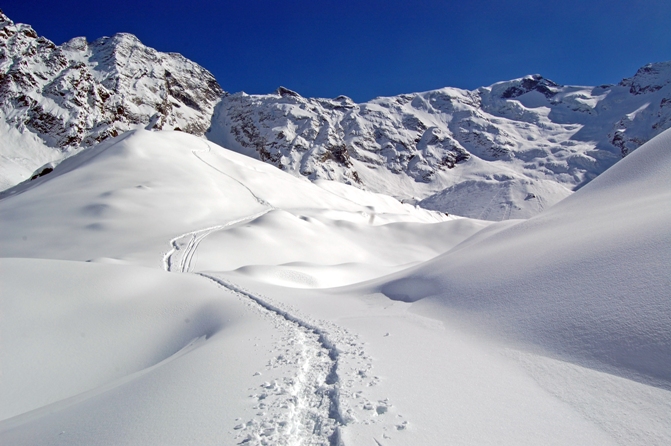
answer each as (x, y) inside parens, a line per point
(374, 48)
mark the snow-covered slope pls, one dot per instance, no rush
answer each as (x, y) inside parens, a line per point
(586, 280)
(484, 333)
(504, 151)
(126, 198)
(58, 99)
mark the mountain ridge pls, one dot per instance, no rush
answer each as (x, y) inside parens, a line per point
(58, 99)
(508, 150)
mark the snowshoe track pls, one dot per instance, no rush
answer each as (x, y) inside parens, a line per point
(303, 408)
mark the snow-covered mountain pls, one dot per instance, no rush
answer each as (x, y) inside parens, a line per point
(55, 100)
(505, 151)
(498, 152)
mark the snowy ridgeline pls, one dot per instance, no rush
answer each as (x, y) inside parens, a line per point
(499, 152)
(58, 99)
(445, 330)
(505, 151)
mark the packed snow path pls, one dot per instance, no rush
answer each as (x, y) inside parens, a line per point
(303, 405)
(303, 408)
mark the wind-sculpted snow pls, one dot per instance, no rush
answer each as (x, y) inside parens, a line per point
(59, 99)
(586, 280)
(436, 329)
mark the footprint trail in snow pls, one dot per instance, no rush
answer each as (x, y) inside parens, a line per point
(316, 378)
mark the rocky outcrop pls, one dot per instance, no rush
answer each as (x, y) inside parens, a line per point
(78, 94)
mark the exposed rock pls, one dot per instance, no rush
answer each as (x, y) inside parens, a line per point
(78, 94)
(527, 84)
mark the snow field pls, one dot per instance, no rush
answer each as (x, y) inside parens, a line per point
(552, 330)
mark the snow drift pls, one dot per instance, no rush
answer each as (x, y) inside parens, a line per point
(588, 279)
(256, 350)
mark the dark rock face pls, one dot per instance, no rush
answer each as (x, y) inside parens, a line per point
(531, 83)
(80, 93)
(43, 172)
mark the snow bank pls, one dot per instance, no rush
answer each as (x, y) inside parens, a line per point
(586, 280)
(128, 199)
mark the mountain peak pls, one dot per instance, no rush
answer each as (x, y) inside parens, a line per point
(76, 43)
(649, 78)
(4, 20)
(526, 84)
(125, 38)
(284, 92)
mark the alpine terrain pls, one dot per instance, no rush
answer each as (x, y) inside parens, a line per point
(505, 151)
(180, 265)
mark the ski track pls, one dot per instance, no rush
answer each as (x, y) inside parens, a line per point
(256, 197)
(508, 211)
(183, 247)
(320, 371)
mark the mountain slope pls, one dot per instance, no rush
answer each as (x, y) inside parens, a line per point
(586, 280)
(59, 99)
(519, 146)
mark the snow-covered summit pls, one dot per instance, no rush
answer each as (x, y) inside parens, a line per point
(77, 94)
(649, 78)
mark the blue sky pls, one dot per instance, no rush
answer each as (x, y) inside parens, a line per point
(365, 49)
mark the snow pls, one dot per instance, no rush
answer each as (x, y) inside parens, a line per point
(586, 280)
(477, 153)
(160, 289)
